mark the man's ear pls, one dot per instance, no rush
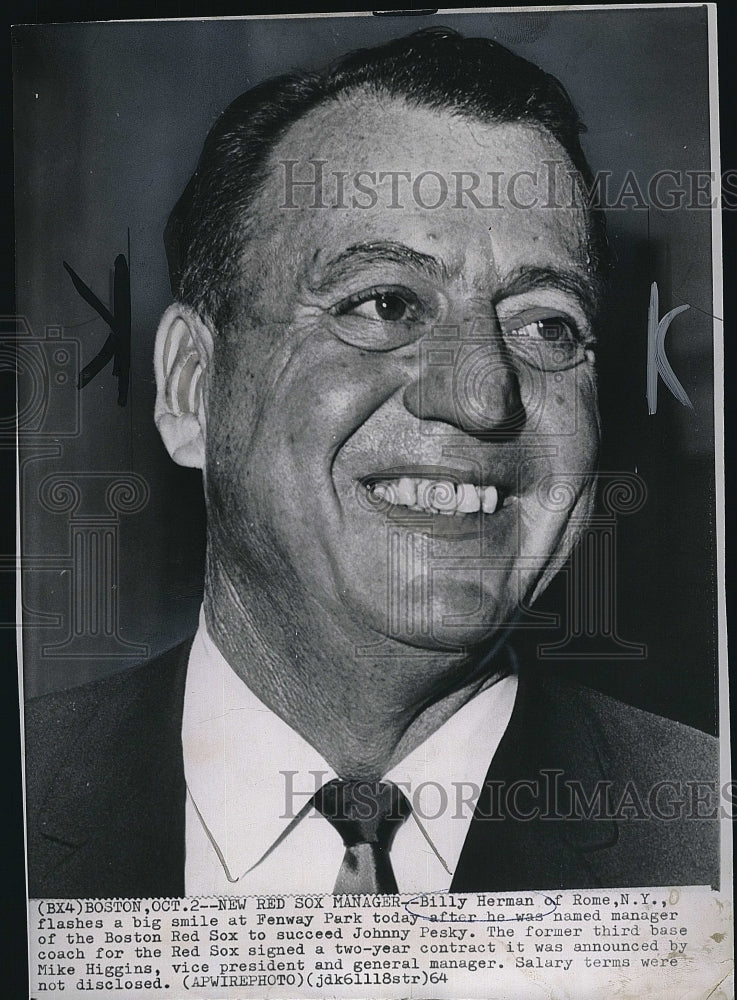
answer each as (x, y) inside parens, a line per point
(183, 352)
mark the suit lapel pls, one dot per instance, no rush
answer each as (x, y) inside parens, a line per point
(523, 834)
(114, 816)
(113, 820)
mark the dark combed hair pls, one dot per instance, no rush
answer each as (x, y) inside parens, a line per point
(434, 68)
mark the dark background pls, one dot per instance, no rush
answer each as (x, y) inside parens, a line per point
(109, 121)
(641, 678)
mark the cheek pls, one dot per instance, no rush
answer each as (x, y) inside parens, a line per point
(324, 392)
(569, 425)
(569, 412)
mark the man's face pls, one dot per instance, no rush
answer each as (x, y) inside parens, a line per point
(402, 423)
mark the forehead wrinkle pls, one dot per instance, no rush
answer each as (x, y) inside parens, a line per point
(325, 274)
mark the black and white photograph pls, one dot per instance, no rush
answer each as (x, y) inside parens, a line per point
(370, 462)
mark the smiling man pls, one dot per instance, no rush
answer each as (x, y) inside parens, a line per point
(381, 354)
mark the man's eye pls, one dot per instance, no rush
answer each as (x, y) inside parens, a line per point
(380, 318)
(548, 342)
(387, 306)
(552, 330)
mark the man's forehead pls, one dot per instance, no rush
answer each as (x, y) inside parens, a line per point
(365, 169)
(363, 130)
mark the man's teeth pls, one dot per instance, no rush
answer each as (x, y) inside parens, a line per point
(437, 496)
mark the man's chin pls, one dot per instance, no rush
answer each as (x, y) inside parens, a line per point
(455, 622)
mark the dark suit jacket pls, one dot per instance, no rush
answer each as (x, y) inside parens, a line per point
(106, 793)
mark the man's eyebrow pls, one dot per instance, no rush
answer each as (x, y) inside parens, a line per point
(584, 287)
(378, 252)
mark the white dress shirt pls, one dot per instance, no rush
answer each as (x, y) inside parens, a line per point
(248, 825)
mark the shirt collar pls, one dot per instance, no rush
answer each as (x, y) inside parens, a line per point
(236, 753)
(249, 772)
(447, 771)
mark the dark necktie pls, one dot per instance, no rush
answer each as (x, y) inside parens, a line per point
(367, 815)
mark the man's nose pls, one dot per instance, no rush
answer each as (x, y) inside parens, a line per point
(470, 383)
